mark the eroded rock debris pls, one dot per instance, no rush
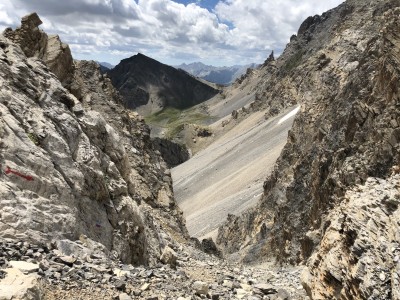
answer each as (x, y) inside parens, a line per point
(78, 270)
(87, 208)
(343, 69)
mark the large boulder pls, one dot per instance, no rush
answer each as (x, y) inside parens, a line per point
(17, 285)
(169, 257)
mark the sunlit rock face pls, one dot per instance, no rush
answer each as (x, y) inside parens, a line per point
(75, 164)
(343, 69)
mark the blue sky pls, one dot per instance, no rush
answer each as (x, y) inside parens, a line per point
(225, 32)
(209, 4)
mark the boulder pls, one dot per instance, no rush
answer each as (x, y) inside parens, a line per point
(200, 287)
(24, 267)
(282, 295)
(264, 288)
(17, 285)
(241, 293)
(208, 246)
(124, 296)
(169, 257)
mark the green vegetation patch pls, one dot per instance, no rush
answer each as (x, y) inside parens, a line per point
(165, 116)
(293, 62)
(174, 120)
(34, 138)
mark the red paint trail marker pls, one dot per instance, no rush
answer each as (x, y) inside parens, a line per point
(26, 177)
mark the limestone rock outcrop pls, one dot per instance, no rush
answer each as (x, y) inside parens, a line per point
(358, 256)
(49, 48)
(343, 69)
(18, 284)
(74, 163)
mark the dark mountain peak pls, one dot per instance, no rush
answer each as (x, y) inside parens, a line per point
(138, 56)
(149, 85)
(142, 56)
(139, 59)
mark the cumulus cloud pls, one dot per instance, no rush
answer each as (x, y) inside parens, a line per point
(234, 32)
(266, 24)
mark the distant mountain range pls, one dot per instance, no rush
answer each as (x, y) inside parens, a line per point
(105, 66)
(220, 75)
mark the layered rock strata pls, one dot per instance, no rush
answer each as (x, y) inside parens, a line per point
(342, 68)
(360, 247)
(77, 165)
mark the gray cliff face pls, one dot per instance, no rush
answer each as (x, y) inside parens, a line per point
(77, 165)
(360, 246)
(173, 154)
(343, 69)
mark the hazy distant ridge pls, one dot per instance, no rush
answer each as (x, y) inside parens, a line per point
(221, 75)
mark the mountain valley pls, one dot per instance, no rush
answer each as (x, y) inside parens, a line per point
(145, 182)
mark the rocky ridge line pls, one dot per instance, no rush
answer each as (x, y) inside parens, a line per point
(49, 48)
(341, 68)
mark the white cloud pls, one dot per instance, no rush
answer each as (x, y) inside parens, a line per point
(236, 31)
(8, 14)
(268, 24)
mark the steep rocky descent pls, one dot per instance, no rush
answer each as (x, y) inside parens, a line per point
(343, 68)
(78, 168)
(226, 177)
(51, 274)
(149, 86)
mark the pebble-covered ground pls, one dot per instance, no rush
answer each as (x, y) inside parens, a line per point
(191, 275)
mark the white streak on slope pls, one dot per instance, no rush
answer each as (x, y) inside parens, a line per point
(289, 115)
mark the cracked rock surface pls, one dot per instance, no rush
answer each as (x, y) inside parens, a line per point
(343, 69)
(74, 164)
